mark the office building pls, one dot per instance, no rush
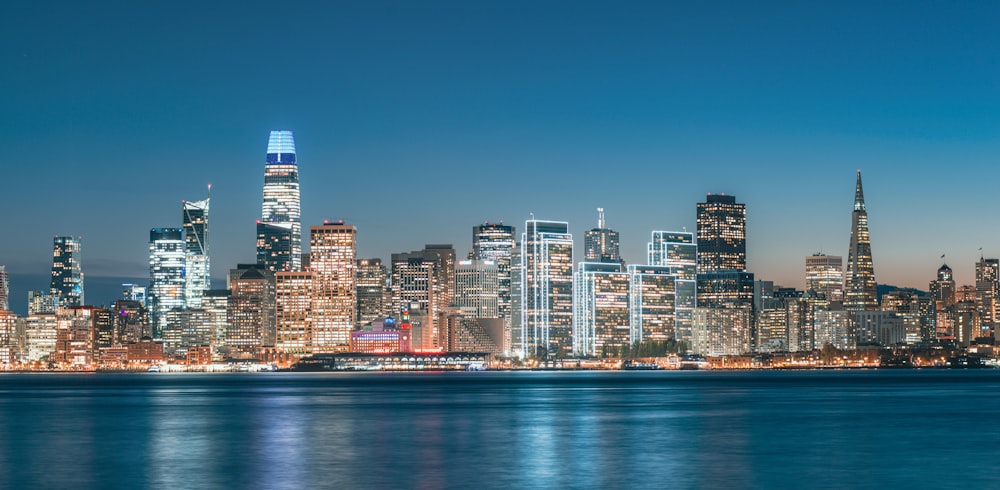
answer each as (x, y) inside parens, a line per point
(4, 289)
(722, 331)
(477, 288)
(293, 307)
(825, 276)
(133, 292)
(423, 283)
(370, 286)
(274, 246)
(677, 250)
(250, 310)
(859, 279)
(987, 295)
(722, 244)
(546, 290)
(601, 244)
(166, 274)
(601, 310)
(332, 255)
(281, 206)
(197, 266)
(495, 242)
(652, 302)
(67, 274)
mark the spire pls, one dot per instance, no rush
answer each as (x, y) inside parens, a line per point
(859, 195)
(600, 218)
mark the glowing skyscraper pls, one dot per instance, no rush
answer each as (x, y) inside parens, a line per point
(546, 290)
(196, 275)
(495, 242)
(859, 279)
(166, 274)
(4, 289)
(332, 255)
(67, 275)
(281, 207)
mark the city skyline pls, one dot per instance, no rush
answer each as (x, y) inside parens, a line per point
(704, 101)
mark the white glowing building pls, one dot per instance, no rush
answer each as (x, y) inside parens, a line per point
(166, 274)
(281, 206)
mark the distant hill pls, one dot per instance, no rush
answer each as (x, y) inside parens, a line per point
(881, 289)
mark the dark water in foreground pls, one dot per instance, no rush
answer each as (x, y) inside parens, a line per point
(869, 429)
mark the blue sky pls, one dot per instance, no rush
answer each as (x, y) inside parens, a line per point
(417, 120)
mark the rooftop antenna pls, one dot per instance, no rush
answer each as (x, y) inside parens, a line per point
(600, 218)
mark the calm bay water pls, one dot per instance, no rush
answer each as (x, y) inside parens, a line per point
(858, 429)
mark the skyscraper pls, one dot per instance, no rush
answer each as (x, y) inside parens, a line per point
(274, 246)
(677, 250)
(859, 279)
(722, 243)
(281, 206)
(250, 310)
(370, 278)
(166, 275)
(987, 294)
(418, 286)
(495, 242)
(293, 317)
(601, 310)
(332, 253)
(652, 302)
(601, 243)
(4, 289)
(477, 288)
(825, 275)
(67, 275)
(723, 281)
(546, 289)
(197, 271)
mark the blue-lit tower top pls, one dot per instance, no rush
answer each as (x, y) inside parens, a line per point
(281, 148)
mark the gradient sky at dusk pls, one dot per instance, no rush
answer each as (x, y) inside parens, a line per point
(417, 120)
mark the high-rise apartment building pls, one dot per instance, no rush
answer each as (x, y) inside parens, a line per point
(859, 278)
(495, 242)
(166, 275)
(370, 284)
(197, 268)
(601, 244)
(677, 250)
(332, 255)
(546, 290)
(722, 243)
(722, 331)
(477, 288)
(601, 310)
(281, 206)
(825, 276)
(67, 275)
(652, 302)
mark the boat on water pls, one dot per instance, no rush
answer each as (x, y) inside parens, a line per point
(153, 369)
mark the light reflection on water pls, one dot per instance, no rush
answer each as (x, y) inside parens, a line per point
(501, 430)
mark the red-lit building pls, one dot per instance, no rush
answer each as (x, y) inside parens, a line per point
(145, 350)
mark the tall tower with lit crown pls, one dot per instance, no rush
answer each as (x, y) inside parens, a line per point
(859, 279)
(281, 206)
(196, 269)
